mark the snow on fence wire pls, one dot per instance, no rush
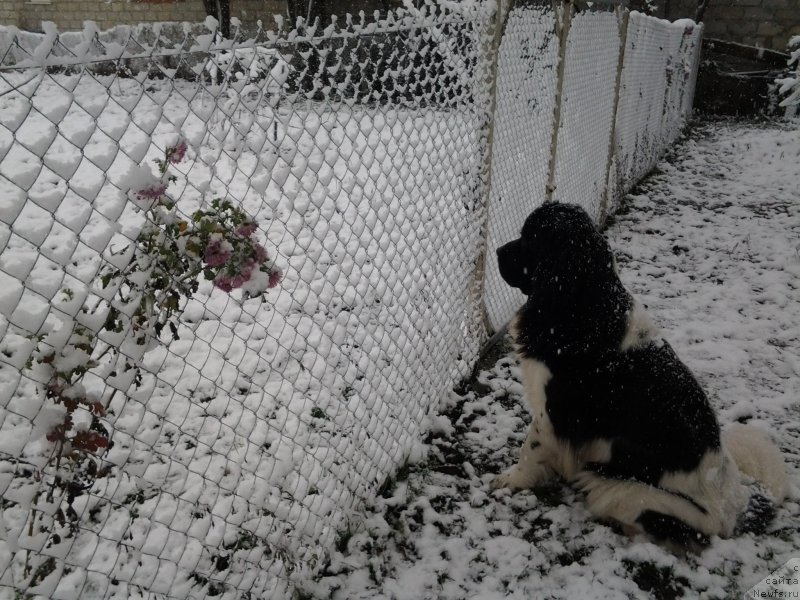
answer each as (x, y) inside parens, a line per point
(236, 276)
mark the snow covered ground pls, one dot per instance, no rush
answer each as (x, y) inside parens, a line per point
(710, 244)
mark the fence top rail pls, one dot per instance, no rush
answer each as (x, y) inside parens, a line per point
(91, 46)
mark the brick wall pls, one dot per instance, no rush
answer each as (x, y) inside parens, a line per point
(765, 23)
(69, 15)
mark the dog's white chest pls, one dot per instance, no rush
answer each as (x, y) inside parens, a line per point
(559, 455)
(535, 376)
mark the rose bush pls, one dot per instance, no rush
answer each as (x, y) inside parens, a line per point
(141, 293)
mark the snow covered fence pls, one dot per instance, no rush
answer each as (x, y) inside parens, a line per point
(617, 100)
(174, 421)
(789, 86)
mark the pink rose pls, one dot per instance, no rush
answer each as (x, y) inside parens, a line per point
(228, 283)
(274, 278)
(177, 153)
(216, 254)
(152, 192)
(246, 230)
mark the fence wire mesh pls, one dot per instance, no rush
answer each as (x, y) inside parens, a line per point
(237, 275)
(657, 87)
(614, 118)
(523, 127)
(587, 110)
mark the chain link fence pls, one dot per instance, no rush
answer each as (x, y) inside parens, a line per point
(527, 78)
(237, 275)
(617, 93)
(660, 66)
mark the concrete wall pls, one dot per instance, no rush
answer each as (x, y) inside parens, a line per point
(765, 23)
(69, 15)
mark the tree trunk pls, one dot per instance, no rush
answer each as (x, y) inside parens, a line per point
(221, 11)
(297, 8)
(320, 9)
(308, 74)
(701, 10)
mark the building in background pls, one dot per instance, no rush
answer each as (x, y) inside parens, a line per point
(764, 23)
(69, 15)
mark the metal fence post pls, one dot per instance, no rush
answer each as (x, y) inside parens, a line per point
(486, 171)
(623, 15)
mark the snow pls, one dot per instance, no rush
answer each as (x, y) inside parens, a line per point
(790, 86)
(709, 244)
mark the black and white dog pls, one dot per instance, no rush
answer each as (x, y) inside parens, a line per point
(615, 411)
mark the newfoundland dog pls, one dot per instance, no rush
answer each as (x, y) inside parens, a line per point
(615, 411)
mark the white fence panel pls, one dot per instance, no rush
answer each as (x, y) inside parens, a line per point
(658, 77)
(523, 128)
(587, 110)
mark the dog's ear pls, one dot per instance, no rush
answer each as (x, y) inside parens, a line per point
(577, 262)
(514, 264)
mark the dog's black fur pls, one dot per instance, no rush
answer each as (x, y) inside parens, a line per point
(639, 398)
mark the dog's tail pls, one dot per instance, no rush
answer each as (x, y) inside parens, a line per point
(757, 457)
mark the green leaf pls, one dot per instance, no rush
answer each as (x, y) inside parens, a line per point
(111, 323)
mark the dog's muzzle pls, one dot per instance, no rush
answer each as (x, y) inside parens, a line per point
(512, 265)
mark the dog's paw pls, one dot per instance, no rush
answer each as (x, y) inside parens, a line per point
(513, 479)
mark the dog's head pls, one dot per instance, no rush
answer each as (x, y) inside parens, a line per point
(559, 247)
